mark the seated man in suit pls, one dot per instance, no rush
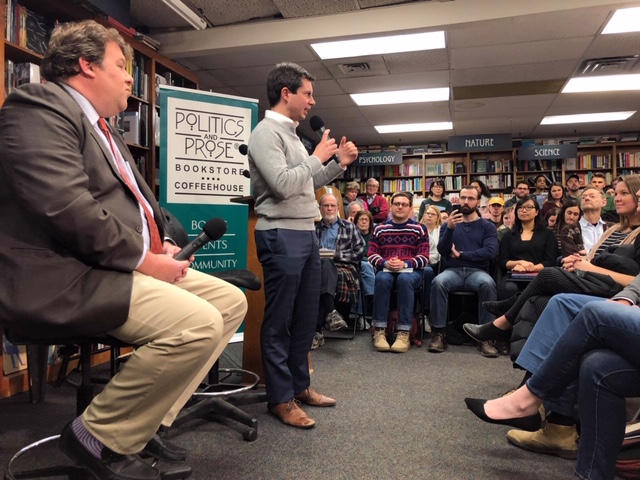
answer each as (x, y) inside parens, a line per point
(84, 253)
(339, 285)
(399, 250)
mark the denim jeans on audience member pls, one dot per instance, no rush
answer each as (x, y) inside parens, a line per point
(406, 285)
(582, 351)
(428, 277)
(554, 320)
(368, 276)
(463, 279)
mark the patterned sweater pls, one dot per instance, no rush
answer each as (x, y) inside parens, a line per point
(408, 241)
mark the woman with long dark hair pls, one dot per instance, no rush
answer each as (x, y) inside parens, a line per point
(435, 197)
(568, 229)
(555, 198)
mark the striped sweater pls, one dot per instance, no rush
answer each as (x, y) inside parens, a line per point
(408, 241)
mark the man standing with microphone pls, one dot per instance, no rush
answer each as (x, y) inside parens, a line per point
(284, 178)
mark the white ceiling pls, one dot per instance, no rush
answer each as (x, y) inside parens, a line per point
(505, 61)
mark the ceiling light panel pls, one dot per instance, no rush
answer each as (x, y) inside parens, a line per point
(586, 118)
(414, 127)
(603, 83)
(401, 96)
(625, 20)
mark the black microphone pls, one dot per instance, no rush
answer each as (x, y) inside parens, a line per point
(246, 173)
(212, 230)
(317, 125)
(243, 149)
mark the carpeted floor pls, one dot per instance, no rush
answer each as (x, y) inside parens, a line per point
(399, 416)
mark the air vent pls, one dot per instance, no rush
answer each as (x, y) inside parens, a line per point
(359, 67)
(609, 66)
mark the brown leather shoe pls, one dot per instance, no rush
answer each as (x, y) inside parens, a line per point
(315, 399)
(290, 413)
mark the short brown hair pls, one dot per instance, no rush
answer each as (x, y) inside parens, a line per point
(74, 40)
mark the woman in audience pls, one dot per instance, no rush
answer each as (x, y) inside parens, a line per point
(551, 218)
(485, 196)
(364, 222)
(527, 247)
(353, 208)
(596, 274)
(568, 230)
(508, 218)
(599, 354)
(432, 221)
(436, 197)
(555, 198)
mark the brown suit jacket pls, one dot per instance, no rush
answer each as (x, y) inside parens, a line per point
(70, 230)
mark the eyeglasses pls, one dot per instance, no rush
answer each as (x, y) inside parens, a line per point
(398, 204)
(526, 208)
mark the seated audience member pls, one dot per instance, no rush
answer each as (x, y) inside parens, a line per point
(351, 210)
(599, 181)
(568, 231)
(555, 198)
(610, 190)
(397, 244)
(351, 192)
(507, 221)
(364, 222)
(572, 187)
(550, 218)
(495, 207)
(436, 197)
(592, 201)
(83, 238)
(444, 216)
(485, 196)
(339, 284)
(467, 245)
(541, 185)
(521, 191)
(431, 220)
(613, 274)
(527, 247)
(590, 359)
(376, 203)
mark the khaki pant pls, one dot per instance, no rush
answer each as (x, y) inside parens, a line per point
(180, 331)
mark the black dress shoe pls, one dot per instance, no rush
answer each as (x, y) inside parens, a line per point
(164, 450)
(532, 423)
(486, 332)
(500, 307)
(112, 466)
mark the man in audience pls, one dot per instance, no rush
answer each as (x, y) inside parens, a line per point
(496, 210)
(572, 187)
(399, 250)
(599, 181)
(521, 191)
(351, 210)
(592, 201)
(468, 244)
(376, 203)
(351, 192)
(84, 253)
(339, 284)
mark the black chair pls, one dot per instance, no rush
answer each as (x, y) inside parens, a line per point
(208, 401)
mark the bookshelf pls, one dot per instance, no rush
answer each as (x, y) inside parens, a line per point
(142, 105)
(498, 170)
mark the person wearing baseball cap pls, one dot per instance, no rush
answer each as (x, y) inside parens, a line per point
(496, 210)
(572, 186)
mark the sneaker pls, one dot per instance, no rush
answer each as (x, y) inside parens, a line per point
(438, 342)
(558, 440)
(334, 321)
(402, 343)
(487, 349)
(380, 340)
(427, 327)
(318, 340)
(362, 324)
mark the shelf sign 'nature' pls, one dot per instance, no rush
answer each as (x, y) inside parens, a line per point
(480, 143)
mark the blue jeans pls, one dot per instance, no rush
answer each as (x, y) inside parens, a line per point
(601, 348)
(406, 285)
(460, 280)
(556, 317)
(428, 277)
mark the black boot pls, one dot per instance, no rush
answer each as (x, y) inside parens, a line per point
(486, 332)
(500, 307)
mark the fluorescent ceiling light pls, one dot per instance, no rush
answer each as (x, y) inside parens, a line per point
(624, 20)
(603, 83)
(586, 118)
(186, 14)
(402, 96)
(379, 45)
(414, 127)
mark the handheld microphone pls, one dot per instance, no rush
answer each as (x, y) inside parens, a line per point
(212, 230)
(317, 125)
(243, 149)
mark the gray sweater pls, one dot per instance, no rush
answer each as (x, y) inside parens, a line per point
(284, 177)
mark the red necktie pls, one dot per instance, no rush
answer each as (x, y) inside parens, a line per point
(154, 233)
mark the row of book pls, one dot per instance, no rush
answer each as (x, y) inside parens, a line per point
(444, 168)
(27, 28)
(539, 165)
(588, 161)
(495, 181)
(137, 68)
(17, 74)
(402, 185)
(629, 159)
(483, 165)
(404, 169)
